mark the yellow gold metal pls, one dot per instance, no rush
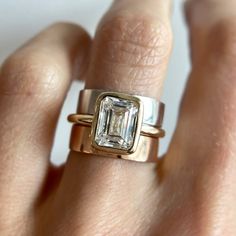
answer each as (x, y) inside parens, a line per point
(81, 119)
(128, 127)
(146, 130)
(81, 141)
(138, 125)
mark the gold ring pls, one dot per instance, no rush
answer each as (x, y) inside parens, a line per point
(117, 125)
(87, 120)
(81, 140)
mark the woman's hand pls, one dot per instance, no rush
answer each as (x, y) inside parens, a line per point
(192, 192)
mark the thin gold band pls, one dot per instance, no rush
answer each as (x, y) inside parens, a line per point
(81, 142)
(146, 130)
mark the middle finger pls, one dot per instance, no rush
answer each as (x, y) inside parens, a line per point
(130, 54)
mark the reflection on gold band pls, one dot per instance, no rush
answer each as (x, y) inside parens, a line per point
(81, 142)
(146, 130)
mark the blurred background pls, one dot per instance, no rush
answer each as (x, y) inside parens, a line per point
(20, 20)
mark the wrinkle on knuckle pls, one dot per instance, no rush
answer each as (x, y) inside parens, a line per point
(134, 45)
(30, 74)
(135, 41)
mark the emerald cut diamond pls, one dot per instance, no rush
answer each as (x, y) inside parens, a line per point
(117, 122)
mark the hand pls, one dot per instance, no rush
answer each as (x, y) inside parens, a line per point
(192, 192)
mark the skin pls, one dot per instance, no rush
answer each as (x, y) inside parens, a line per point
(192, 192)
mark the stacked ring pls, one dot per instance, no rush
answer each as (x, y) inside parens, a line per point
(117, 125)
(87, 120)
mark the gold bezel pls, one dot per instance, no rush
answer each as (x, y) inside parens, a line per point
(138, 124)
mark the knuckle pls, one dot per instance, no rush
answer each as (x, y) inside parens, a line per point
(66, 26)
(222, 38)
(220, 52)
(139, 43)
(140, 37)
(31, 74)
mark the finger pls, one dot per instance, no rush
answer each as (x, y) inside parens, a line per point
(130, 54)
(208, 104)
(203, 150)
(33, 84)
(132, 48)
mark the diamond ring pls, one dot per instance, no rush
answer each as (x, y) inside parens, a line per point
(87, 120)
(116, 124)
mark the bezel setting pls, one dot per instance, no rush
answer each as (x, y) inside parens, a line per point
(117, 123)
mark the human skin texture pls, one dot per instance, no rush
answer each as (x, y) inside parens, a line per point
(190, 192)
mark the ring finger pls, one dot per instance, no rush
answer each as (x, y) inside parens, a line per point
(130, 54)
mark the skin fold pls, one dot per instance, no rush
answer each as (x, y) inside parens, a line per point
(190, 192)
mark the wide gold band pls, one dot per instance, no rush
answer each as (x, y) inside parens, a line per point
(146, 130)
(117, 125)
(81, 142)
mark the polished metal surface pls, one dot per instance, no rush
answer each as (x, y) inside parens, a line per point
(87, 120)
(81, 142)
(153, 109)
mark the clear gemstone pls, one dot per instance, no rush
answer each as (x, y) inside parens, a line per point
(117, 123)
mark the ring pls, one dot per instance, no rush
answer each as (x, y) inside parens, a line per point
(87, 120)
(153, 114)
(117, 125)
